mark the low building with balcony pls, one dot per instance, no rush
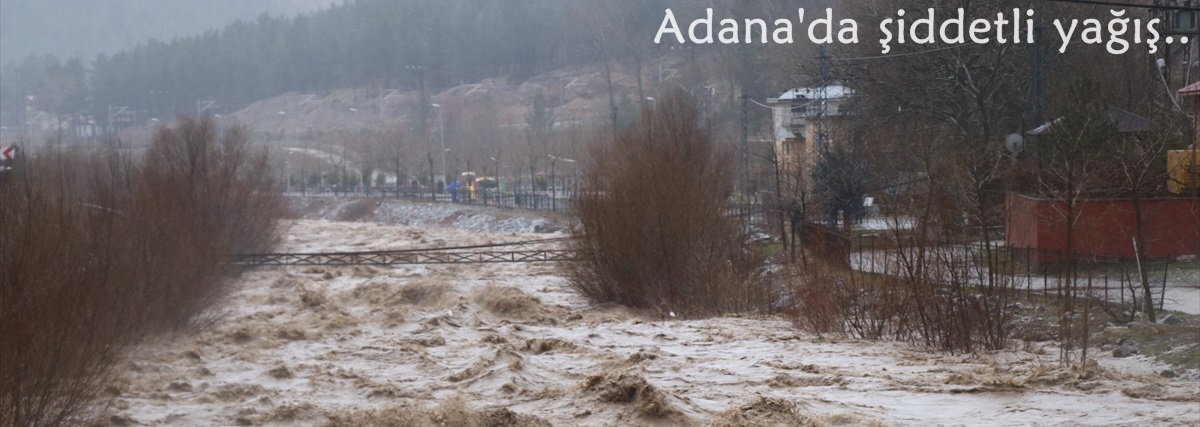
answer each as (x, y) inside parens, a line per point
(797, 116)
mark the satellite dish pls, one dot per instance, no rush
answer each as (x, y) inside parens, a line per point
(1014, 143)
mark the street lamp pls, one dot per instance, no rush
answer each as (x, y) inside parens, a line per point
(569, 161)
(554, 181)
(442, 134)
(496, 172)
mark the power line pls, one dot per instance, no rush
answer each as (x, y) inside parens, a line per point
(1186, 7)
(761, 104)
(898, 55)
(1123, 4)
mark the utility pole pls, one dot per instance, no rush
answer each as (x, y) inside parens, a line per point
(706, 107)
(496, 172)
(612, 102)
(745, 146)
(442, 135)
(743, 205)
(424, 97)
(553, 189)
(1039, 94)
(820, 139)
(653, 108)
(21, 105)
(822, 109)
(1180, 24)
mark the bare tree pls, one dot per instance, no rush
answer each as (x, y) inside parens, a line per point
(395, 152)
(652, 246)
(1073, 168)
(1138, 166)
(963, 98)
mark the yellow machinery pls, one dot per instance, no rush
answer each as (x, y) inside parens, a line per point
(1183, 171)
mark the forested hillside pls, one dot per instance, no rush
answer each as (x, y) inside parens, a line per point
(402, 44)
(84, 28)
(426, 46)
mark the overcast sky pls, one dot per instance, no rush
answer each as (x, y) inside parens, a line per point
(84, 28)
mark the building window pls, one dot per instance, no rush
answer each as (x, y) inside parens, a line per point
(800, 110)
(1183, 20)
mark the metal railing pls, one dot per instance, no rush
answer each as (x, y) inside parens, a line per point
(489, 198)
(404, 257)
(1029, 271)
(529, 251)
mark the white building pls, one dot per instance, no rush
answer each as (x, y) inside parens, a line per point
(796, 115)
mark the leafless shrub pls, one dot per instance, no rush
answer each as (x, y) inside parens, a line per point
(62, 316)
(222, 177)
(820, 299)
(939, 296)
(97, 251)
(196, 198)
(655, 224)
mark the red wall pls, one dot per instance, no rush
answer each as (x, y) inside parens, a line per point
(1105, 227)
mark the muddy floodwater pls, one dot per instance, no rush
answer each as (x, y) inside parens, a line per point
(312, 345)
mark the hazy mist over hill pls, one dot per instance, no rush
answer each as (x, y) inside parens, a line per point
(84, 28)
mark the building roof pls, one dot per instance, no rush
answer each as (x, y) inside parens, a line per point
(1191, 90)
(1126, 123)
(805, 93)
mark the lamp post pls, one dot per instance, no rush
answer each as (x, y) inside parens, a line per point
(574, 170)
(496, 174)
(442, 135)
(445, 176)
(554, 181)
